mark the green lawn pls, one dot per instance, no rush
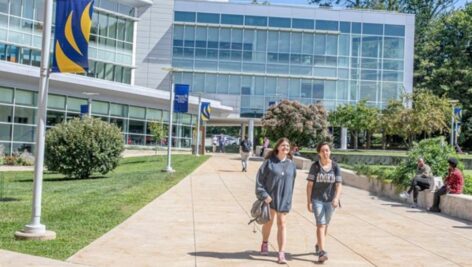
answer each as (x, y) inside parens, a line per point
(80, 211)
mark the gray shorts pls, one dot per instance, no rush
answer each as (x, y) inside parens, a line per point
(244, 156)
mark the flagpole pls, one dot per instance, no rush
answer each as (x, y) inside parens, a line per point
(36, 230)
(197, 146)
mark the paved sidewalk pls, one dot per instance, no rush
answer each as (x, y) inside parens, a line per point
(202, 221)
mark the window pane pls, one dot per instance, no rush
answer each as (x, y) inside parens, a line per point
(54, 117)
(327, 25)
(136, 112)
(5, 114)
(255, 21)
(25, 115)
(208, 18)
(370, 28)
(4, 5)
(279, 22)
(136, 127)
(371, 46)
(23, 133)
(154, 114)
(73, 103)
(25, 98)
(232, 19)
(393, 47)
(345, 27)
(56, 101)
(356, 27)
(368, 91)
(303, 23)
(395, 30)
(6, 95)
(99, 107)
(184, 16)
(5, 132)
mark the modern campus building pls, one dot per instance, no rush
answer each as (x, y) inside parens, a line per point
(239, 56)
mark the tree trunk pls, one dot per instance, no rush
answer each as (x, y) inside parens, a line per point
(356, 139)
(384, 140)
(369, 139)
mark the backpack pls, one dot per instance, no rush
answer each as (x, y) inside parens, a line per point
(246, 146)
(260, 212)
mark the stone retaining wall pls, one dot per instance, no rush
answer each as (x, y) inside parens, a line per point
(459, 206)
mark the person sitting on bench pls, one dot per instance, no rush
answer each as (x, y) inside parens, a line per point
(420, 182)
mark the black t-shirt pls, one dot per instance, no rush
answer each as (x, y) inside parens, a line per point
(324, 182)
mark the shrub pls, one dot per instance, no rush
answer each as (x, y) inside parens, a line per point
(435, 152)
(468, 185)
(25, 159)
(9, 160)
(83, 146)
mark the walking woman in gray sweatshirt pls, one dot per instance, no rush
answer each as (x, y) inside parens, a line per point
(274, 184)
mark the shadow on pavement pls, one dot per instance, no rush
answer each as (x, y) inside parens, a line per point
(243, 255)
(463, 227)
(228, 171)
(250, 255)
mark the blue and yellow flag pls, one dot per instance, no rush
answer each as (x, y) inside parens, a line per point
(73, 24)
(206, 110)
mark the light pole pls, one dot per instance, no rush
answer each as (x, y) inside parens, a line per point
(197, 146)
(453, 103)
(171, 111)
(36, 230)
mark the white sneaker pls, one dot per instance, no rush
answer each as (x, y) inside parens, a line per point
(404, 195)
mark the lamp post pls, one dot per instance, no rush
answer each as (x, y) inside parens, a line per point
(171, 111)
(453, 103)
(197, 146)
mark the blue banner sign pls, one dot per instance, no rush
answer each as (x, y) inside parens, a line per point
(181, 98)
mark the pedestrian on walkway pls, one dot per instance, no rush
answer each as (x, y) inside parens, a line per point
(274, 184)
(323, 191)
(265, 145)
(245, 150)
(453, 184)
(420, 182)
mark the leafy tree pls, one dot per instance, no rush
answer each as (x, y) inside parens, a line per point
(429, 114)
(302, 125)
(446, 63)
(158, 131)
(81, 147)
(357, 118)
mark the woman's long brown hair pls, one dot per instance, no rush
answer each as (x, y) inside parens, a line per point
(275, 151)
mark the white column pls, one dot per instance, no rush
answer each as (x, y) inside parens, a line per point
(343, 138)
(251, 133)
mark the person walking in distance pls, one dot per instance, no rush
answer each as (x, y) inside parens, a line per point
(322, 194)
(265, 145)
(245, 150)
(274, 184)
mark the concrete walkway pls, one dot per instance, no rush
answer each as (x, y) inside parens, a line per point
(202, 221)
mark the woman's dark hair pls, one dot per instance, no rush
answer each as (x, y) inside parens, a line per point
(275, 151)
(320, 145)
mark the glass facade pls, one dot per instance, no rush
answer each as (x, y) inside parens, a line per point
(18, 109)
(111, 40)
(265, 59)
